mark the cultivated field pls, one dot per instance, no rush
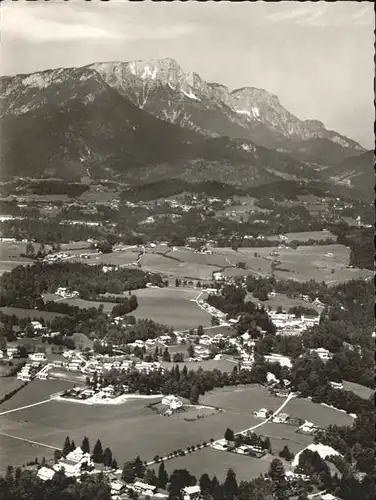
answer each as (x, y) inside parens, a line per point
(8, 384)
(281, 435)
(137, 430)
(217, 463)
(32, 313)
(359, 390)
(123, 258)
(282, 300)
(323, 263)
(176, 269)
(10, 255)
(307, 235)
(171, 306)
(317, 413)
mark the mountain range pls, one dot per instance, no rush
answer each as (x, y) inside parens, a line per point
(149, 120)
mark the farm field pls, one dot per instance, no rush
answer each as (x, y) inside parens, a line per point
(184, 255)
(217, 463)
(136, 429)
(171, 307)
(123, 258)
(176, 269)
(282, 300)
(323, 263)
(307, 235)
(86, 304)
(10, 255)
(360, 390)
(32, 313)
(317, 413)
(281, 435)
(8, 384)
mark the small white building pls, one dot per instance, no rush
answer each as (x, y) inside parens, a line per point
(45, 474)
(172, 402)
(192, 492)
(262, 413)
(144, 488)
(38, 356)
(74, 463)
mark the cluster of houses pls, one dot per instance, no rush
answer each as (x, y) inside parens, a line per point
(77, 462)
(65, 293)
(289, 324)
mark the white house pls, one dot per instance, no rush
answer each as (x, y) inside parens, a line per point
(192, 492)
(281, 418)
(262, 413)
(143, 488)
(117, 487)
(172, 402)
(45, 474)
(322, 353)
(38, 356)
(74, 462)
(12, 352)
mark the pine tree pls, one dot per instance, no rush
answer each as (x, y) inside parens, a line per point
(107, 457)
(114, 464)
(205, 484)
(85, 445)
(194, 395)
(72, 446)
(162, 476)
(230, 486)
(229, 434)
(67, 446)
(98, 452)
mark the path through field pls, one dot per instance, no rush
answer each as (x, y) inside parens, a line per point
(24, 407)
(289, 397)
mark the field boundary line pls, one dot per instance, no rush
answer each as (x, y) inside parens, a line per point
(29, 441)
(25, 407)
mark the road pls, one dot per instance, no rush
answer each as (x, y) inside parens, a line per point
(25, 407)
(289, 397)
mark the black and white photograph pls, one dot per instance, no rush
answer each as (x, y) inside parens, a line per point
(187, 230)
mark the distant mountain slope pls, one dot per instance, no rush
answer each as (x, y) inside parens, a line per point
(164, 89)
(357, 172)
(67, 123)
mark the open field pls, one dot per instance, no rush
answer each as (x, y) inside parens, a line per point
(123, 258)
(283, 434)
(8, 384)
(307, 235)
(282, 300)
(136, 429)
(323, 263)
(359, 390)
(184, 255)
(32, 313)
(176, 269)
(317, 413)
(171, 306)
(10, 255)
(217, 463)
(86, 304)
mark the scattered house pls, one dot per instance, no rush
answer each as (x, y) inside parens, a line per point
(262, 413)
(45, 474)
(38, 356)
(37, 325)
(143, 488)
(291, 476)
(336, 385)
(117, 487)
(322, 353)
(191, 492)
(74, 463)
(172, 402)
(281, 418)
(12, 352)
(278, 358)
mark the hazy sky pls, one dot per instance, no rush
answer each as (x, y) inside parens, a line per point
(317, 57)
